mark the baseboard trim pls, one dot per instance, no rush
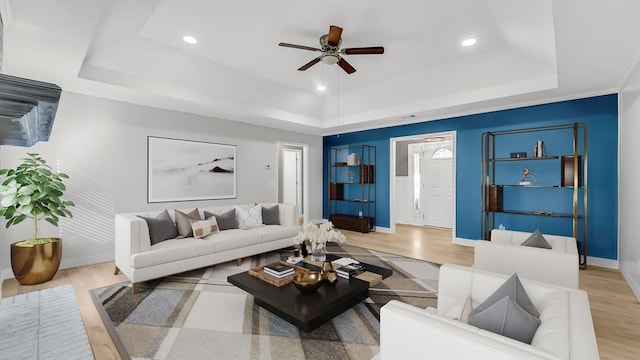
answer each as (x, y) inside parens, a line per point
(89, 260)
(465, 242)
(385, 230)
(631, 275)
(602, 262)
(7, 273)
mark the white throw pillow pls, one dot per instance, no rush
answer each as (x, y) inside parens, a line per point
(461, 310)
(250, 217)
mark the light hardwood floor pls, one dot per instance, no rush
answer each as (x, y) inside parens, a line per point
(615, 311)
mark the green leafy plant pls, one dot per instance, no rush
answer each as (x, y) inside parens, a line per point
(33, 191)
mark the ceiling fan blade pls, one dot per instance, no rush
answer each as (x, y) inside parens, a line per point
(309, 64)
(334, 35)
(364, 50)
(346, 66)
(299, 47)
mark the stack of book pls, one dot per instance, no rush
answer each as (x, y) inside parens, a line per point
(351, 270)
(278, 270)
(344, 261)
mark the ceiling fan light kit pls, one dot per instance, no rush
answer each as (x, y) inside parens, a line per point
(330, 49)
(330, 59)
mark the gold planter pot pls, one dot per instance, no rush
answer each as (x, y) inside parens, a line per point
(36, 264)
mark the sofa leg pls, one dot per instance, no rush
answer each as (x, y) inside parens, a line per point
(135, 287)
(117, 271)
(238, 262)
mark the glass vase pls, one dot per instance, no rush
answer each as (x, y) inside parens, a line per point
(318, 252)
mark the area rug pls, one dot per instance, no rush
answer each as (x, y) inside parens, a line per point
(198, 315)
(43, 324)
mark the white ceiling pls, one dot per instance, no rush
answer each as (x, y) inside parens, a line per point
(528, 52)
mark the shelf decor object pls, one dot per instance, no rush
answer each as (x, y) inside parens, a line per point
(568, 148)
(352, 187)
(527, 177)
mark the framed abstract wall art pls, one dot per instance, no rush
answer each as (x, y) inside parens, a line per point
(183, 170)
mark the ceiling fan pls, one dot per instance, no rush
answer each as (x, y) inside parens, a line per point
(330, 49)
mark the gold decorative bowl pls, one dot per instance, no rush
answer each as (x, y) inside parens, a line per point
(308, 282)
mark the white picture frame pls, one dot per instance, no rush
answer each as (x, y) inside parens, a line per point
(185, 170)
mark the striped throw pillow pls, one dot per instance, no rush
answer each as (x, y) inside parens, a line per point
(202, 228)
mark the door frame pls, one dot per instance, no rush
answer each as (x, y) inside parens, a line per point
(392, 175)
(280, 145)
(428, 149)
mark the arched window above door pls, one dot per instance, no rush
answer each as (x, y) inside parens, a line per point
(442, 153)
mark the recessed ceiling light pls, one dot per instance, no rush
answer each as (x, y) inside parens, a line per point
(469, 42)
(321, 87)
(190, 39)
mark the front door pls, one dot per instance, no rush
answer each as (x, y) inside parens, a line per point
(431, 177)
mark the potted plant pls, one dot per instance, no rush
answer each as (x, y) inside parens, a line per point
(32, 191)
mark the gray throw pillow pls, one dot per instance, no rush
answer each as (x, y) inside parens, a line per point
(507, 318)
(536, 240)
(225, 221)
(271, 216)
(511, 287)
(161, 228)
(183, 222)
(502, 316)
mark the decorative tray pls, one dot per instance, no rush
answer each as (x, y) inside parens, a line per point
(260, 274)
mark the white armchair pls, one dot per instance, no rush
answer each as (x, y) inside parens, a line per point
(504, 254)
(566, 329)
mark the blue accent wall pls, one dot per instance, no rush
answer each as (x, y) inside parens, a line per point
(600, 114)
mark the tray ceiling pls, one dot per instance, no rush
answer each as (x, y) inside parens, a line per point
(527, 52)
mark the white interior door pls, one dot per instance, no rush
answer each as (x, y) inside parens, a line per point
(292, 177)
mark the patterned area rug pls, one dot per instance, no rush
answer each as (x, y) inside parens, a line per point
(43, 324)
(198, 315)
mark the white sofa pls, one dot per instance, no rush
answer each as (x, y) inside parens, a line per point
(141, 261)
(566, 329)
(504, 254)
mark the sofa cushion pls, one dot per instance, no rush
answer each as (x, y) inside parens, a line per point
(171, 250)
(271, 215)
(161, 227)
(248, 218)
(277, 232)
(536, 240)
(554, 332)
(507, 318)
(202, 228)
(226, 221)
(233, 239)
(183, 223)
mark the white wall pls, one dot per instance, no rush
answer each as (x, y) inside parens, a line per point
(629, 175)
(102, 145)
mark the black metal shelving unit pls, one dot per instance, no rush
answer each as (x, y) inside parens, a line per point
(352, 187)
(572, 170)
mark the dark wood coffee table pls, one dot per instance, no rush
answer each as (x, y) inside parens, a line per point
(305, 311)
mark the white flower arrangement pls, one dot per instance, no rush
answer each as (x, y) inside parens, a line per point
(318, 235)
